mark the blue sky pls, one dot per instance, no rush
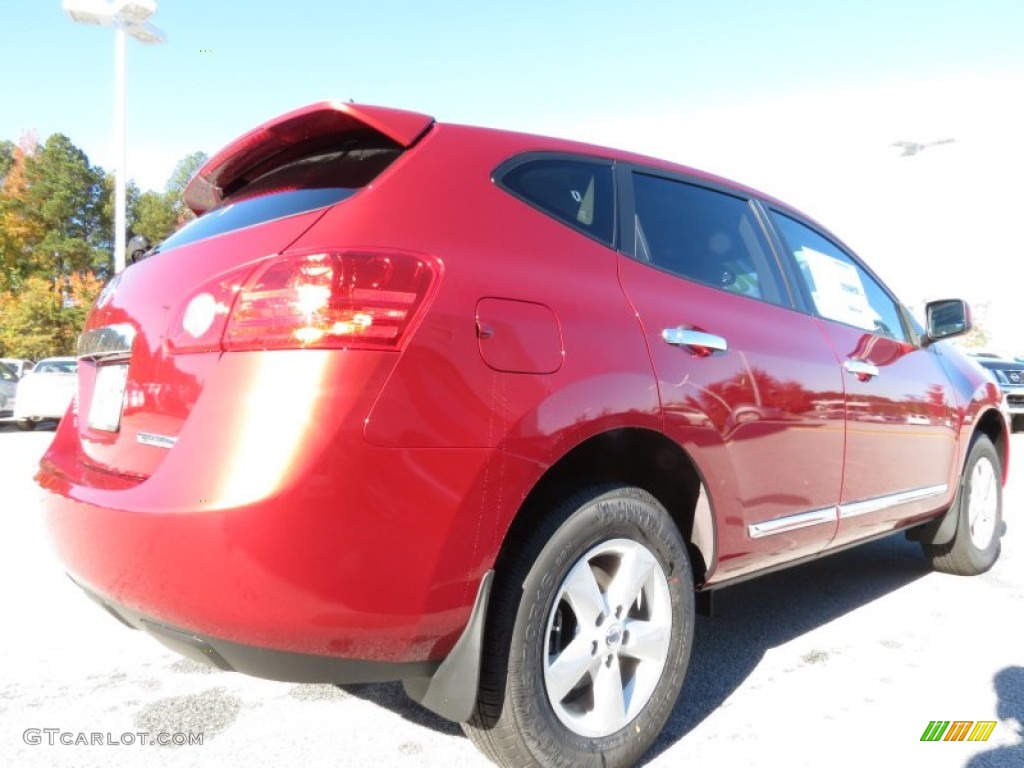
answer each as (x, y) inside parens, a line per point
(800, 98)
(528, 65)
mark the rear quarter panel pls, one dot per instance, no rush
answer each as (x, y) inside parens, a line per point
(440, 199)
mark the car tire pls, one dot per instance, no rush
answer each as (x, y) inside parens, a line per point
(25, 425)
(589, 635)
(975, 545)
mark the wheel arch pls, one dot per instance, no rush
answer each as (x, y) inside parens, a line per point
(631, 456)
(942, 529)
(993, 425)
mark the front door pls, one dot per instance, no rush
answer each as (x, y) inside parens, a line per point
(900, 438)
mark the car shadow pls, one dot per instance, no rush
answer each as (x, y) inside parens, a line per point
(392, 696)
(753, 617)
(750, 619)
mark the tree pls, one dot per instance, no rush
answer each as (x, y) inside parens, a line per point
(45, 316)
(180, 176)
(157, 214)
(56, 238)
(7, 149)
(19, 230)
(64, 195)
(155, 217)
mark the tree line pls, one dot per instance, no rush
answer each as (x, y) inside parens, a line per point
(57, 238)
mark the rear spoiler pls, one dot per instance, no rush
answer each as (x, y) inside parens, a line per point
(265, 147)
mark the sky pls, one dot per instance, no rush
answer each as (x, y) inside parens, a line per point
(800, 99)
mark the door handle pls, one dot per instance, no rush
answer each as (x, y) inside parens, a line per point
(699, 343)
(861, 369)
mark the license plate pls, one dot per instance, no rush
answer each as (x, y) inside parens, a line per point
(108, 397)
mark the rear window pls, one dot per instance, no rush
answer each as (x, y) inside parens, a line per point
(300, 186)
(57, 366)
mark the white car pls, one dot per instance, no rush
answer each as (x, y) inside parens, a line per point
(46, 391)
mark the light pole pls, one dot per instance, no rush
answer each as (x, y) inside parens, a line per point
(128, 17)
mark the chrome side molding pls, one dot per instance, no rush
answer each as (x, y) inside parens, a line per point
(792, 522)
(841, 512)
(893, 500)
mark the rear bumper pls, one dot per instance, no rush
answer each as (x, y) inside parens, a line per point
(261, 662)
(344, 563)
(283, 534)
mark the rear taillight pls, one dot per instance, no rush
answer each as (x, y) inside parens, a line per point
(200, 322)
(322, 299)
(330, 299)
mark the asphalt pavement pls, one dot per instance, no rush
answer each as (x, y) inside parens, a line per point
(841, 662)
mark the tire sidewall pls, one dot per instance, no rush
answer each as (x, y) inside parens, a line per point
(623, 513)
(981, 559)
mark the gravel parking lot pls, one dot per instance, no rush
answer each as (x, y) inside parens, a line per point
(843, 662)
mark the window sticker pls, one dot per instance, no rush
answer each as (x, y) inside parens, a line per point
(837, 289)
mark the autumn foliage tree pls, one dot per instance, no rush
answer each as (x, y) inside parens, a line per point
(40, 320)
(56, 238)
(17, 230)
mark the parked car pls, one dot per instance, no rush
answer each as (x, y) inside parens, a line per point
(1009, 374)
(45, 392)
(487, 413)
(8, 390)
(18, 365)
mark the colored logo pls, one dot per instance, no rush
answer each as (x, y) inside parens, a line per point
(958, 730)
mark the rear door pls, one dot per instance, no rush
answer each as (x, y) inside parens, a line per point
(749, 386)
(901, 436)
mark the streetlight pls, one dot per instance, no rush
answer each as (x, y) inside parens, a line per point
(127, 17)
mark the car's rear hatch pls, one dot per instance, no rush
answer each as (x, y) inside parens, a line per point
(154, 340)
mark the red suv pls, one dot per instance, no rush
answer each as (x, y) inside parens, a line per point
(486, 413)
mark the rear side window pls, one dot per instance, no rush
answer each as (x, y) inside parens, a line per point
(576, 191)
(302, 185)
(704, 235)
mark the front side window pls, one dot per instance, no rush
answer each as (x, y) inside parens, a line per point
(703, 235)
(840, 289)
(577, 192)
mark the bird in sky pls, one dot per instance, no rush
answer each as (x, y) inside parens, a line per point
(914, 147)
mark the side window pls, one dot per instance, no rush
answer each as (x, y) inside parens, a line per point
(840, 288)
(703, 235)
(576, 192)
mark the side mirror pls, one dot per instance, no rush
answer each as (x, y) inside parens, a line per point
(947, 318)
(137, 248)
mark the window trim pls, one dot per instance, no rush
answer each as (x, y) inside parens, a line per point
(507, 166)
